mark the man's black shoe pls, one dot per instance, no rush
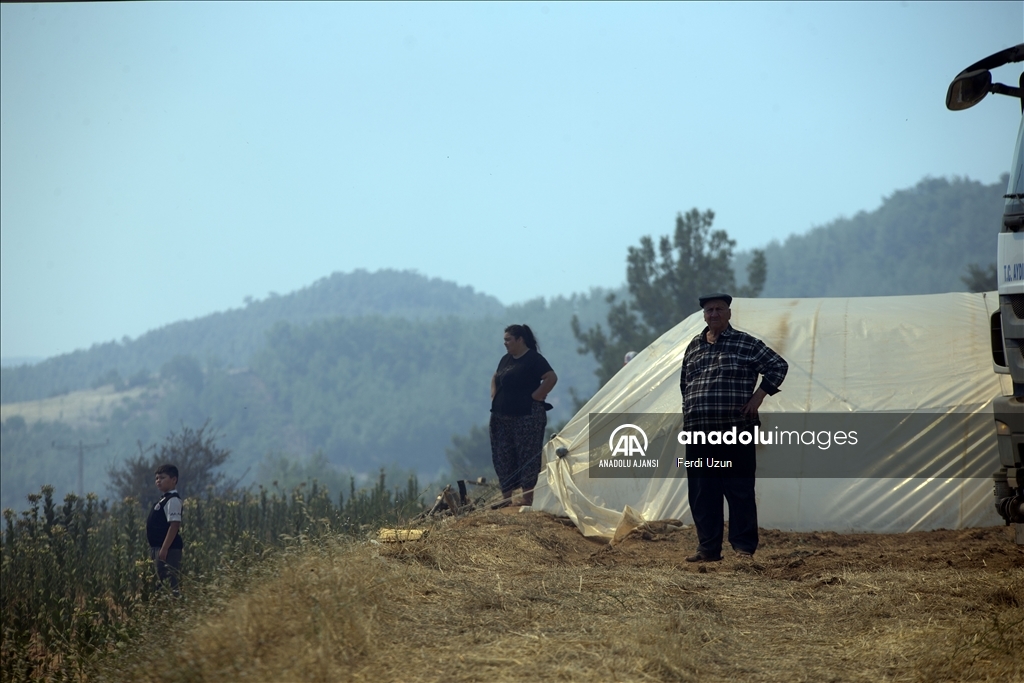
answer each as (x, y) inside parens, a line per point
(701, 557)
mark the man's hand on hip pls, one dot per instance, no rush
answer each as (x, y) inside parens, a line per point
(750, 407)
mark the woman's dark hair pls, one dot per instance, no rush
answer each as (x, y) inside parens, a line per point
(526, 334)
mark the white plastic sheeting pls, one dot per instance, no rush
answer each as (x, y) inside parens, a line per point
(909, 354)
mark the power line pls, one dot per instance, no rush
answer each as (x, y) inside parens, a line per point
(82, 448)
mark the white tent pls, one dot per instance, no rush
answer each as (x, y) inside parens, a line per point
(909, 354)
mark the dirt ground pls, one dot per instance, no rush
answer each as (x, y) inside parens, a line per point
(516, 596)
(510, 596)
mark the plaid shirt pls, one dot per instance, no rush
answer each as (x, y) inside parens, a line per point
(718, 379)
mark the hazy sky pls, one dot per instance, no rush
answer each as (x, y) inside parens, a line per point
(161, 161)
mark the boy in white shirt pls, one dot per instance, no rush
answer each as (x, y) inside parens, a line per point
(162, 527)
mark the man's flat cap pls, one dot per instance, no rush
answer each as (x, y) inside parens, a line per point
(710, 297)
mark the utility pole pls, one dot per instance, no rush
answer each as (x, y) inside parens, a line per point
(81, 448)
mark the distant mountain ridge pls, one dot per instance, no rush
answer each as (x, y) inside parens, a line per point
(15, 361)
(231, 337)
(919, 241)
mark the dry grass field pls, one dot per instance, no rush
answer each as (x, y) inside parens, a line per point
(86, 408)
(509, 596)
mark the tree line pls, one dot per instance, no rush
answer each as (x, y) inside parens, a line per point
(230, 338)
(921, 240)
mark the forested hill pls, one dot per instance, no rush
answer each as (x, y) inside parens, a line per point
(230, 338)
(357, 392)
(919, 241)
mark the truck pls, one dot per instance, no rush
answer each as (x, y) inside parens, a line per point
(1007, 321)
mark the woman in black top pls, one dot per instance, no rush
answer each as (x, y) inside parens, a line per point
(518, 418)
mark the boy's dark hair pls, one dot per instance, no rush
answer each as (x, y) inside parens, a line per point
(169, 470)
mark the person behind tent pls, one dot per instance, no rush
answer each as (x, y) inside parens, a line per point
(519, 388)
(163, 526)
(720, 370)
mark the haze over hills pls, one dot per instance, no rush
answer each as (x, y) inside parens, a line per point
(15, 361)
(379, 369)
(231, 337)
(919, 241)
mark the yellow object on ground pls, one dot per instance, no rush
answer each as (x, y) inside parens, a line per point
(398, 535)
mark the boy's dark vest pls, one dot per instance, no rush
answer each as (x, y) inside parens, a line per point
(157, 524)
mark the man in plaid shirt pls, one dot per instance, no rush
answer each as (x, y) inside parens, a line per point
(720, 370)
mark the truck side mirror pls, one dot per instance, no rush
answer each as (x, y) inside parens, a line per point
(968, 89)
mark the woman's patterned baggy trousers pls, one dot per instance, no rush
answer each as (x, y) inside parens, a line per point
(516, 444)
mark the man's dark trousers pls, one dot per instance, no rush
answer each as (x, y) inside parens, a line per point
(708, 485)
